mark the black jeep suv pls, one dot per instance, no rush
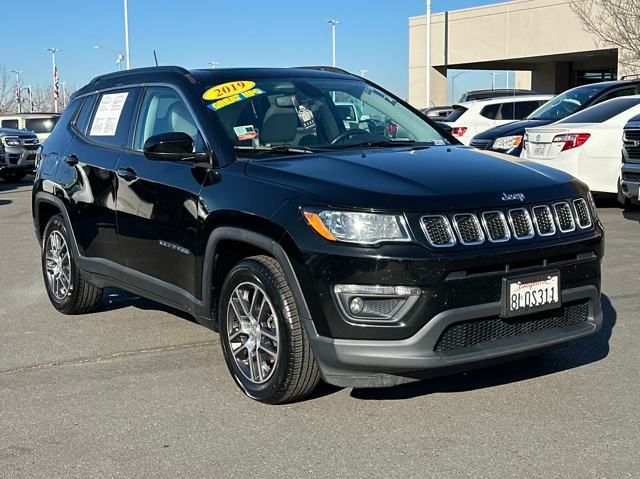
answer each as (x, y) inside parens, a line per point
(360, 255)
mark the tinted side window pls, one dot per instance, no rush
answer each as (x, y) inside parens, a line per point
(618, 93)
(82, 120)
(602, 111)
(490, 111)
(457, 112)
(112, 117)
(164, 111)
(41, 125)
(10, 123)
(525, 108)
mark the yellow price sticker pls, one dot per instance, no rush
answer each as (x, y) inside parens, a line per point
(227, 89)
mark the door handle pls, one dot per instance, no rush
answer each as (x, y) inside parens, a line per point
(127, 174)
(71, 160)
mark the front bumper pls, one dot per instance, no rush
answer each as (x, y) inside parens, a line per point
(370, 363)
(13, 159)
(630, 182)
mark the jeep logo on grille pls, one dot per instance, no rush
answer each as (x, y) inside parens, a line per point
(513, 196)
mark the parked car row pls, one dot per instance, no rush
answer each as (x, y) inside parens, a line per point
(579, 131)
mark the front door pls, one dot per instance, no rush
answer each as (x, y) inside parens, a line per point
(157, 204)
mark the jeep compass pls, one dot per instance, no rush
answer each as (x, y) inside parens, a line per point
(363, 253)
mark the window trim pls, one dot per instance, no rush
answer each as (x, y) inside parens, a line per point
(130, 148)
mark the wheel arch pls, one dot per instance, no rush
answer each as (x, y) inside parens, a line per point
(44, 207)
(249, 243)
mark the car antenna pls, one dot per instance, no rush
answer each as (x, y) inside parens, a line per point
(155, 57)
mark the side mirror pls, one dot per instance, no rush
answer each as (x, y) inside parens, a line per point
(365, 118)
(169, 147)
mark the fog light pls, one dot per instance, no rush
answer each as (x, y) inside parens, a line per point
(375, 304)
(357, 305)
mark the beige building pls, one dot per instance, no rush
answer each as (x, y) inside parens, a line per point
(542, 40)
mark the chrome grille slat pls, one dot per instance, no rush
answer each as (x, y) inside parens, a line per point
(564, 217)
(438, 231)
(496, 227)
(521, 224)
(468, 228)
(582, 213)
(543, 220)
(504, 225)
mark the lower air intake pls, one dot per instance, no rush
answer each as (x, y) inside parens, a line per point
(481, 331)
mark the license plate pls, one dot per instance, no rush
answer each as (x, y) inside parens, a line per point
(538, 150)
(530, 294)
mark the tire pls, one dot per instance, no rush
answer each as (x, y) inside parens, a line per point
(12, 177)
(247, 339)
(68, 292)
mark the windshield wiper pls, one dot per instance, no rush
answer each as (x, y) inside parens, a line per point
(279, 149)
(391, 143)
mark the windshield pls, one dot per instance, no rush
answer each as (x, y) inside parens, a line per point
(313, 114)
(566, 104)
(41, 125)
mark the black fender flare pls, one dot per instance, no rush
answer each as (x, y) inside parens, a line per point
(260, 241)
(42, 197)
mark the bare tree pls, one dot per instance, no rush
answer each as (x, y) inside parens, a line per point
(7, 92)
(615, 23)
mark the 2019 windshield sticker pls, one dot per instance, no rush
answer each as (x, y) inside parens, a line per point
(230, 100)
(225, 90)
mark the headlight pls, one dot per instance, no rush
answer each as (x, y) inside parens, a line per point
(355, 227)
(12, 141)
(507, 142)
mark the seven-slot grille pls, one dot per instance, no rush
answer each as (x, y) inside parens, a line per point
(496, 226)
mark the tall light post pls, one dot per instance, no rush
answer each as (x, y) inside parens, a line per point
(493, 79)
(119, 55)
(55, 77)
(333, 24)
(126, 33)
(64, 94)
(453, 85)
(428, 58)
(18, 89)
(30, 92)
(363, 73)
(213, 64)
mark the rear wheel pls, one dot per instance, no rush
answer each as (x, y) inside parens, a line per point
(68, 292)
(265, 347)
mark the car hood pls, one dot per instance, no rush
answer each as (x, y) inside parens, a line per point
(437, 178)
(509, 129)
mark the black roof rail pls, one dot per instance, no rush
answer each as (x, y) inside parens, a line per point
(629, 77)
(326, 69)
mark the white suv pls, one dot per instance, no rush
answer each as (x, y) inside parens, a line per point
(470, 118)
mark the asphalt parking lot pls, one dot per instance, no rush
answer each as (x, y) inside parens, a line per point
(136, 390)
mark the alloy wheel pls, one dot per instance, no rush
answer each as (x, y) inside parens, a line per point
(252, 327)
(58, 265)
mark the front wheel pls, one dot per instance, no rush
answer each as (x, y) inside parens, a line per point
(264, 345)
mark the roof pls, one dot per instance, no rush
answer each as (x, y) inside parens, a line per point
(208, 76)
(501, 99)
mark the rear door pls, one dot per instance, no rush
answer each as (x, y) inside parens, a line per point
(157, 206)
(87, 171)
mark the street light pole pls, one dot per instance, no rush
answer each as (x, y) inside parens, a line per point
(363, 73)
(126, 33)
(333, 24)
(55, 77)
(428, 59)
(28, 88)
(18, 89)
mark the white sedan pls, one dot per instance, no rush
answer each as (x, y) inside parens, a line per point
(587, 144)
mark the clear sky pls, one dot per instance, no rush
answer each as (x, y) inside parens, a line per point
(372, 35)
